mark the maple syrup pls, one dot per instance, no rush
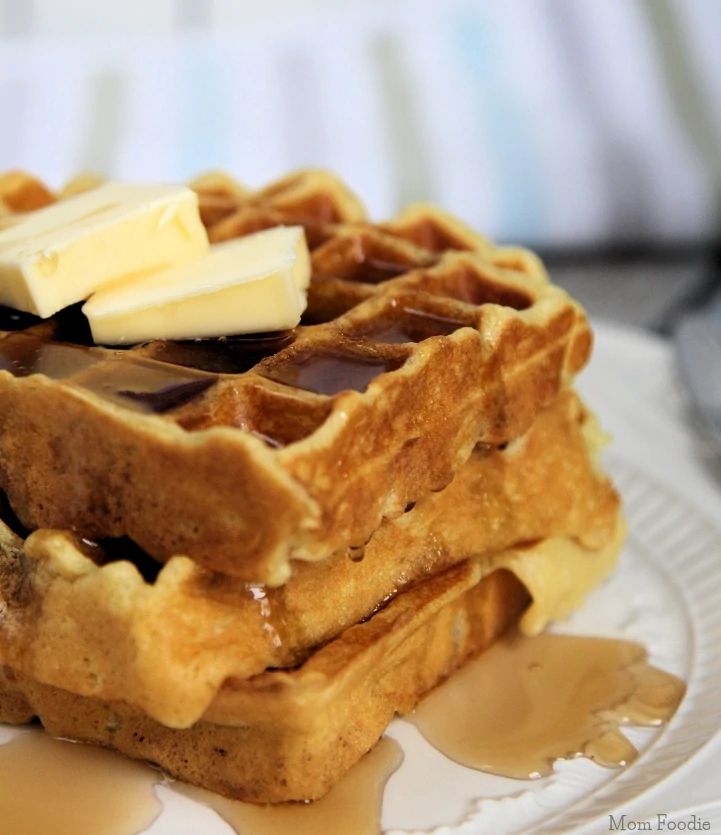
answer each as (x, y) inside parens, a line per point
(104, 551)
(529, 701)
(70, 789)
(473, 286)
(23, 354)
(412, 325)
(145, 385)
(356, 553)
(330, 372)
(523, 704)
(225, 355)
(138, 383)
(352, 807)
(374, 270)
(177, 372)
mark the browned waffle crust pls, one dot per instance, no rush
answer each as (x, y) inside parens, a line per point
(244, 454)
(291, 735)
(105, 631)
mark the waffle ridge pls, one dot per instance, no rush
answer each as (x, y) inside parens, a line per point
(266, 453)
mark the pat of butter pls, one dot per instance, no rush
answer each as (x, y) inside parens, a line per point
(59, 255)
(248, 285)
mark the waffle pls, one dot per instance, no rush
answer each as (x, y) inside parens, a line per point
(414, 451)
(167, 643)
(21, 193)
(350, 255)
(244, 454)
(290, 735)
(316, 199)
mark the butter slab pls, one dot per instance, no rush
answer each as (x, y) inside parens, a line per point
(249, 285)
(59, 255)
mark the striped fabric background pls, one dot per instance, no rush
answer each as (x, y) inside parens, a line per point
(553, 122)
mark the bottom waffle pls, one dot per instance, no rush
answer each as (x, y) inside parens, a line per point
(291, 735)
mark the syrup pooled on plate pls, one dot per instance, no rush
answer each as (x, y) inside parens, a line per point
(529, 701)
(71, 789)
(352, 807)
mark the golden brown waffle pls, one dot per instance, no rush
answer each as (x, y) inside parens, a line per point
(432, 354)
(350, 255)
(244, 454)
(316, 199)
(291, 735)
(22, 193)
(166, 644)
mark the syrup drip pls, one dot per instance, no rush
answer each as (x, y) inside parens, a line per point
(138, 383)
(329, 373)
(261, 597)
(372, 270)
(415, 326)
(145, 385)
(167, 397)
(473, 286)
(356, 553)
(231, 355)
(274, 443)
(513, 712)
(352, 807)
(71, 789)
(22, 355)
(529, 701)
(104, 551)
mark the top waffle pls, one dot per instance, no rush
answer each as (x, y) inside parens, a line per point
(247, 452)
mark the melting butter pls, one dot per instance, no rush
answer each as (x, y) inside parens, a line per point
(59, 255)
(352, 807)
(48, 785)
(254, 284)
(529, 701)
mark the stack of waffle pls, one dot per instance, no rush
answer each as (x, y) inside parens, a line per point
(238, 558)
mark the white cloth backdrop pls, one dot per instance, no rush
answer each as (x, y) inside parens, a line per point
(550, 122)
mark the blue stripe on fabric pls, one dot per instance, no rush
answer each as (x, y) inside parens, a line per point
(520, 211)
(203, 117)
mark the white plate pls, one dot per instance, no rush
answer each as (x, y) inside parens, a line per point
(666, 595)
